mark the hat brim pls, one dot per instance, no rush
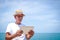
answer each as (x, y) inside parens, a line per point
(19, 15)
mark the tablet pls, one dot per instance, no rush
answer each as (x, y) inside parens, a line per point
(26, 29)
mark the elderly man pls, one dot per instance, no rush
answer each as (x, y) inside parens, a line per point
(13, 31)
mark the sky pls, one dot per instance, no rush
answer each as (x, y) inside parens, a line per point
(44, 15)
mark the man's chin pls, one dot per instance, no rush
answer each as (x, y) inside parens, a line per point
(19, 22)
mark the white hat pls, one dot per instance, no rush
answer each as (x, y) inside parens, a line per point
(19, 12)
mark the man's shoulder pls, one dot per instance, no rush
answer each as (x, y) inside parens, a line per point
(11, 23)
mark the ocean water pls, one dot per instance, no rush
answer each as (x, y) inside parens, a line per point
(39, 36)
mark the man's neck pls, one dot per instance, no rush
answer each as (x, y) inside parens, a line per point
(17, 23)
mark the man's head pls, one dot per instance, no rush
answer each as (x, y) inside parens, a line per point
(18, 16)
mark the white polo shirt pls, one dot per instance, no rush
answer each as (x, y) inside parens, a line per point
(12, 29)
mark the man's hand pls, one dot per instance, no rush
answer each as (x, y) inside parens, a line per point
(29, 34)
(19, 32)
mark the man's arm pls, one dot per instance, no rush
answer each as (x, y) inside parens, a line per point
(9, 36)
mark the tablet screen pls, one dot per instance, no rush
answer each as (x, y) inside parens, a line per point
(26, 29)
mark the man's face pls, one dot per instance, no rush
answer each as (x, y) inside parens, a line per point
(18, 18)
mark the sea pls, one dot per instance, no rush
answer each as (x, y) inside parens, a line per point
(39, 36)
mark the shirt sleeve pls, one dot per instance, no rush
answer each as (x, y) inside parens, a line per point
(8, 28)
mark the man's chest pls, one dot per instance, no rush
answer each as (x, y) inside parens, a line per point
(14, 29)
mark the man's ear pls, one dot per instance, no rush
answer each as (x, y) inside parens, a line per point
(15, 17)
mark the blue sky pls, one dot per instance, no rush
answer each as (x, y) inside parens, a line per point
(44, 15)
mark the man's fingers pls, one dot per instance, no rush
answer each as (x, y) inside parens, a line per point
(19, 32)
(31, 32)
